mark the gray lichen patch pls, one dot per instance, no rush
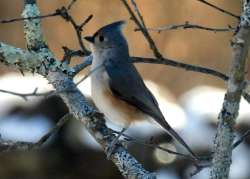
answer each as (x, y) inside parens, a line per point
(32, 27)
(32, 61)
(245, 16)
(27, 61)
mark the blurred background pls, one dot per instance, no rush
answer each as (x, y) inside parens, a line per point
(190, 101)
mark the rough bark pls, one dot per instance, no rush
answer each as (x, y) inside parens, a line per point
(222, 158)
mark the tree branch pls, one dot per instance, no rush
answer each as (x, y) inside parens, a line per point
(225, 134)
(219, 9)
(26, 95)
(60, 76)
(86, 62)
(78, 28)
(54, 130)
(29, 18)
(188, 25)
(71, 4)
(142, 27)
(10, 146)
(188, 67)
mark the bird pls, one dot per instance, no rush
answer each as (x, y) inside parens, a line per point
(117, 88)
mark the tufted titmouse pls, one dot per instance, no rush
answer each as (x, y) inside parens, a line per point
(117, 88)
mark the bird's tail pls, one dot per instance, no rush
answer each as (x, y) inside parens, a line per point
(174, 134)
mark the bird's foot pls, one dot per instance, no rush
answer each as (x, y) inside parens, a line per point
(111, 147)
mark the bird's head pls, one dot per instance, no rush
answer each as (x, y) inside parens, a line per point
(108, 37)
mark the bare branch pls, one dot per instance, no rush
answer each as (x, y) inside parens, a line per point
(155, 146)
(54, 130)
(185, 66)
(10, 146)
(138, 13)
(188, 25)
(85, 21)
(78, 28)
(164, 61)
(168, 62)
(71, 4)
(208, 161)
(29, 18)
(68, 54)
(63, 12)
(219, 9)
(143, 29)
(242, 138)
(90, 73)
(86, 62)
(26, 95)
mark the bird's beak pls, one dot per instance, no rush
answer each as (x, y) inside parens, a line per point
(90, 39)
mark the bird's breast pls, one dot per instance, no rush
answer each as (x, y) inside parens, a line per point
(115, 109)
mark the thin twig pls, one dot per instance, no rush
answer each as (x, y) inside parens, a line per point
(199, 165)
(86, 62)
(219, 9)
(188, 25)
(90, 73)
(68, 54)
(188, 67)
(185, 66)
(143, 30)
(58, 126)
(85, 21)
(138, 13)
(241, 139)
(63, 12)
(7, 146)
(26, 95)
(30, 18)
(155, 146)
(78, 28)
(207, 164)
(160, 57)
(165, 61)
(169, 62)
(71, 4)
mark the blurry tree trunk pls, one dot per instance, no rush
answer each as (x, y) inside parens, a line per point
(222, 158)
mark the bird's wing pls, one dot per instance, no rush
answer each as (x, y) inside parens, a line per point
(126, 83)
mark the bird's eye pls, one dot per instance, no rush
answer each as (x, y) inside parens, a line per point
(101, 38)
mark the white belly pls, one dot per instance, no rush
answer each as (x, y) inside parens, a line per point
(114, 109)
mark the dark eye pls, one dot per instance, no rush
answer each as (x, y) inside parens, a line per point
(101, 38)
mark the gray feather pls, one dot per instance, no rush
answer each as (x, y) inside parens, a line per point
(126, 83)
